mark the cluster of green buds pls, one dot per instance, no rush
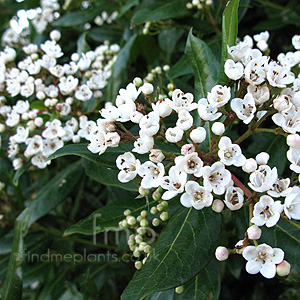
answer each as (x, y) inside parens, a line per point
(141, 241)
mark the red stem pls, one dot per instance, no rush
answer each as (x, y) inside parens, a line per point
(239, 184)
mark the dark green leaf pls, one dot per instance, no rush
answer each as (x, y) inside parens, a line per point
(20, 172)
(205, 65)
(119, 70)
(82, 45)
(183, 248)
(107, 176)
(76, 18)
(12, 289)
(206, 285)
(229, 33)
(160, 11)
(71, 293)
(165, 295)
(126, 7)
(168, 39)
(182, 67)
(52, 194)
(100, 34)
(109, 216)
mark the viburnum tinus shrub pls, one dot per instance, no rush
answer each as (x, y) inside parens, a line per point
(197, 184)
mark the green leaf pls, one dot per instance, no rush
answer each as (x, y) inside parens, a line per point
(71, 293)
(168, 39)
(206, 285)
(184, 247)
(75, 18)
(205, 65)
(108, 176)
(20, 172)
(100, 34)
(82, 45)
(12, 289)
(119, 70)
(109, 216)
(126, 7)
(286, 237)
(229, 33)
(160, 11)
(165, 295)
(52, 194)
(182, 67)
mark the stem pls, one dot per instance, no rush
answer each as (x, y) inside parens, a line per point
(242, 186)
(243, 137)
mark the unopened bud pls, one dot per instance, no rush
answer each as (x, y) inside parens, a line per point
(221, 253)
(127, 212)
(198, 135)
(144, 213)
(179, 289)
(217, 205)
(187, 149)
(144, 192)
(164, 216)
(147, 249)
(250, 165)
(262, 158)
(131, 221)
(147, 88)
(137, 81)
(155, 222)
(284, 268)
(218, 128)
(144, 223)
(254, 232)
(55, 35)
(38, 121)
(138, 265)
(153, 210)
(141, 230)
(293, 140)
(166, 68)
(160, 207)
(170, 87)
(136, 253)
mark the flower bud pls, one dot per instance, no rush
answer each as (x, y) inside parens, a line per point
(164, 216)
(17, 163)
(55, 35)
(144, 214)
(147, 88)
(147, 249)
(155, 222)
(127, 212)
(136, 253)
(144, 223)
(137, 81)
(2, 128)
(75, 57)
(131, 221)
(293, 140)
(250, 165)
(218, 128)
(31, 126)
(221, 253)
(38, 121)
(187, 149)
(283, 269)
(156, 155)
(69, 100)
(166, 68)
(144, 192)
(153, 210)
(40, 95)
(254, 232)
(217, 205)
(170, 87)
(179, 289)
(142, 246)
(124, 223)
(141, 230)
(138, 265)
(165, 204)
(160, 207)
(198, 135)
(138, 239)
(76, 139)
(98, 94)
(262, 158)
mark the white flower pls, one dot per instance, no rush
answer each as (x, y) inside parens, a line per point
(149, 124)
(68, 85)
(190, 164)
(218, 96)
(128, 165)
(261, 40)
(21, 107)
(266, 211)
(21, 135)
(293, 155)
(280, 188)
(163, 107)
(260, 93)
(198, 135)
(263, 178)
(279, 76)
(234, 198)
(84, 63)
(174, 183)
(53, 130)
(143, 144)
(97, 80)
(244, 108)
(289, 121)
(216, 178)
(13, 119)
(110, 113)
(13, 149)
(185, 120)
(296, 41)
(50, 146)
(262, 259)
(83, 93)
(112, 139)
(292, 204)
(181, 101)
(174, 135)
(230, 154)
(71, 68)
(255, 73)
(156, 155)
(39, 161)
(126, 110)
(97, 139)
(233, 70)
(86, 127)
(34, 145)
(151, 174)
(196, 196)
(52, 49)
(206, 111)
(17, 163)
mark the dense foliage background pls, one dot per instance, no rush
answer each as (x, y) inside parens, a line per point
(41, 216)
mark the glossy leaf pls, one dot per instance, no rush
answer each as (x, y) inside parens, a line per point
(160, 11)
(182, 67)
(100, 34)
(229, 33)
(165, 295)
(205, 65)
(205, 285)
(109, 216)
(52, 194)
(108, 176)
(82, 45)
(12, 289)
(183, 248)
(20, 172)
(76, 18)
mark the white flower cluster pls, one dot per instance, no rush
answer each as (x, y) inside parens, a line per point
(49, 96)
(105, 18)
(262, 87)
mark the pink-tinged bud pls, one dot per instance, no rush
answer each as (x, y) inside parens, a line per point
(127, 212)
(38, 121)
(187, 149)
(293, 140)
(189, 5)
(254, 232)
(147, 88)
(262, 158)
(198, 135)
(98, 94)
(171, 87)
(250, 165)
(144, 192)
(281, 104)
(69, 100)
(156, 155)
(58, 106)
(137, 81)
(217, 205)
(283, 269)
(218, 128)
(221, 253)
